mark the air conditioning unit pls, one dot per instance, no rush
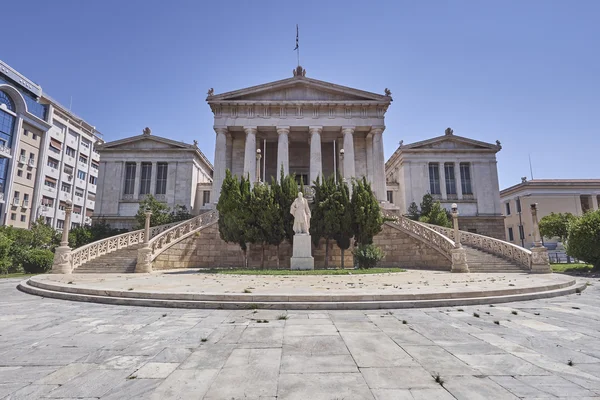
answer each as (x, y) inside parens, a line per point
(70, 178)
(22, 159)
(25, 203)
(16, 201)
(31, 162)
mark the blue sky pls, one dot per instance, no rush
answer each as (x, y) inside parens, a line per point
(524, 72)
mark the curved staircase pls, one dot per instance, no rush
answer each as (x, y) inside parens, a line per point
(121, 261)
(482, 261)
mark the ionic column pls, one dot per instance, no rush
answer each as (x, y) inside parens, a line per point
(378, 163)
(316, 164)
(153, 174)
(138, 180)
(459, 193)
(250, 153)
(220, 161)
(283, 148)
(443, 181)
(369, 147)
(349, 170)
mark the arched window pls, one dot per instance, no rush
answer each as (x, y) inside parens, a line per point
(5, 99)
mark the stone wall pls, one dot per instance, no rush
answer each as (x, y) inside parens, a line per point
(492, 226)
(205, 249)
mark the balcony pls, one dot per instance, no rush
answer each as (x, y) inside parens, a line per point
(5, 151)
(92, 187)
(53, 172)
(64, 196)
(31, 162)
(84, 150)
(16, 201)
(48, 190)
(69, 160)
(82, 166)
(80, 182)
(95, 156)
(22, 159)
(78, 200)
(25, 204)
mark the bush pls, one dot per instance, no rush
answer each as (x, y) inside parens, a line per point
(584, 238)
(368, 256)
(37, 261)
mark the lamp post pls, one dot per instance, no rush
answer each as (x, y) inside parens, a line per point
(459, 254)
(540, 262)
(62, 254)
(258, 157)
(148, 213)
(144, 259)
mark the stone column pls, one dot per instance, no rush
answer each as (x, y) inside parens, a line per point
(369, 147)
(62, 254)
(442, 181)
(349, 170)
(594, 202)
(316, 163)
(283, 149)
(459, 193)
(378, 164)
(220, 161)
(153, 175)
(250, 153)
(540, 262)
(138, 180)
(144, 259)
(459, 254)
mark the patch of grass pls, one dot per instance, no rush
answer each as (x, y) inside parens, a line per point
(262, 321)
(301, 272)
(580, 268)
(204, 339)
(575, 308)
(130, 288)
(253, 306)
(497, 322)
(404, 321)
(285, 316)
(476, 315)
(70, 283)
(132, 377)
(570, 363)
(460, 309)
(247, 291)
(18, 275)
(164, 315)
(438, 379)
(514, 312)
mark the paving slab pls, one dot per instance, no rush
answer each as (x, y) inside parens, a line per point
(323, 387)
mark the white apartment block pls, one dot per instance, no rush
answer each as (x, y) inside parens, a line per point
(47, 156)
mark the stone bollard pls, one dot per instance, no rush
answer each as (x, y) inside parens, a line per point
(459, 254)
(144, 258)
(62, 263)
(540, 262)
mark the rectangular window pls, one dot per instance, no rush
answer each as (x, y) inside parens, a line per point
(23, 218)
(77, 210)
(521, 232)
(89, 212)
(47, 201)
(206, 197)
(85, 143)
(60, 224)
(511, 236)
(518, 205)
(26, 197)
(70, 151)
(68, 170)
(434, 178)
(129, 178)
(93, 179)
(465, 178)
(73, 135)
(65, 187)
(25, 132)
(91, 196)
(49, 221)
(52, 162)
(508, 208)
(20, 172)
(146, 178)
(29, 175)
(62, 205)
(390, 196)
(161, 178)
(450, 179)
(17, 195)
(82, 159)
(13, 216)
(79, 192)
(81, 174)
(58, 125)
(50, 182)
(94, 165)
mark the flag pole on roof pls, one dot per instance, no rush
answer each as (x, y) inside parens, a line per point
(297, 48)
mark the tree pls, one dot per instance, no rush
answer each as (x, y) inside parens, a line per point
(367, 217)
(584, 238)
(277, 232)
(6, 264)
(413, 211)
(426, 204)
(232, 207)
(263, 213)
(556, 225)
(436, 216)
(160, 212)
(324, 222)
(179, 213)
(345, 233)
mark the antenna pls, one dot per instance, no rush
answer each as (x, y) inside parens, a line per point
(70, 103)
(530, 167)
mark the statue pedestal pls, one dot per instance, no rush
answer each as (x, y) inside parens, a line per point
(301, 255)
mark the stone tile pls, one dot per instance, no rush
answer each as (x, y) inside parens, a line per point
(437, 360)
(133, 389)
(155, 370)
(268, 337)
(357, 326)
(65, 374)
(472, 388)
(8, 388)
(315, 345)
(518, 388)
(208, 357)
(31, 392)
(185, 384)
(323, 387)
(93, 383)
(309, 330)
(172, 355)
(501, 364)
(556, 386)
(413, 377)
(431, 394)
(392, 394)
(24, 374)
(301, 364)
(375, 350)
(125, 362)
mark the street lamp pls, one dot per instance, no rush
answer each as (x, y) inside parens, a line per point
(148, 213)
(258, 157)
(455, 223)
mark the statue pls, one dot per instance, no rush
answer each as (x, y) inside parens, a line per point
(211, 92)
(498, 144)
(196, 143)
(147, 131)
(388, 92)
(301, 213)
(449, 132)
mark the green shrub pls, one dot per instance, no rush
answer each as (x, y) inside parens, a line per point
(584, 238)
(368, 256)
(37, 261)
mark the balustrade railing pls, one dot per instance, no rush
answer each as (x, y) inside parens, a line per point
(498, 247)
(91, 251)
(424, 232)
(168, 237)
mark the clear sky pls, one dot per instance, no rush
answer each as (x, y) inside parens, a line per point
(524, 72)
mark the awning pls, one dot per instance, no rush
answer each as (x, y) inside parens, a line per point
(51, 179)
(56, 144)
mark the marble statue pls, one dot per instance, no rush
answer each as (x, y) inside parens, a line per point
(301, 212)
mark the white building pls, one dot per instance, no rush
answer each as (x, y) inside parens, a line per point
(132, 168)
(453, 169)
(46, 156)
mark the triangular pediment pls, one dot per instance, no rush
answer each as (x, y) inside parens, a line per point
(144, 142)
(451, 142)
(299, 89)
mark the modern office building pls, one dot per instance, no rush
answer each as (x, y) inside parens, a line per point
(47, 156)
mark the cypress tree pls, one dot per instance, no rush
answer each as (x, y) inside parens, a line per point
(345, 233)
(366, 212)
(231, 207)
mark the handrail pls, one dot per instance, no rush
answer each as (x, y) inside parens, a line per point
(422, 232)
(497, 247)
(168, 237)
(91, 251)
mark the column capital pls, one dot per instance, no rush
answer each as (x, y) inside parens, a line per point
(348, 129)
(315, 129)
(250, 129)
(221, 130)
(377, 130)
(283, 130)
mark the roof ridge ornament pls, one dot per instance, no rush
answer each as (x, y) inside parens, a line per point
(211, 92)
(147, 131)
(299, 71)
(388, 92)
(449, 132)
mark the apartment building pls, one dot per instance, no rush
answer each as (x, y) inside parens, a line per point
(47, 156)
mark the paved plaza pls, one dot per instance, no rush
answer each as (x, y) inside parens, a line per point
(59, 349)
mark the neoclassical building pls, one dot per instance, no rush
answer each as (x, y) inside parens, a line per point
(302, 125)
(174, 172)
(453, 169)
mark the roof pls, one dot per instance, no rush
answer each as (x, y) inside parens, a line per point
(555, 183)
